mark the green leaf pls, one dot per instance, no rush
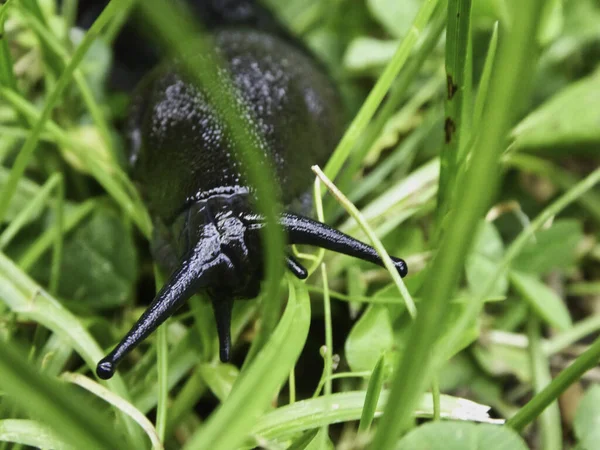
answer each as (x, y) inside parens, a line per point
(69, 414)
(461, 436)
(291, 419)
(568, 120)
(31, 433)
(587, 419)
(542, 299)
(219, 378)
(371, 336)
(499, 359)
(552, 22)
(96, 63)
(552, 248)
(99, 264)
(25, 191)
(484, 261)
(320, 442)
(372, 396)
(366, 53)
(396, 17)
(468, 335)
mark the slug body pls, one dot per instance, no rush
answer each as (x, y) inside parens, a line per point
(182, 157)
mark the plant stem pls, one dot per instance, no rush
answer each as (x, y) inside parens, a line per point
(162, 355)
(549, 422)
(387, 262)
(528, 413)
(435, 394)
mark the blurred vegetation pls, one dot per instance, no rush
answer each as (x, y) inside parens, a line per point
(473, 154)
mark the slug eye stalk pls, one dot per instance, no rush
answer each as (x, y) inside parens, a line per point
(197, 271)
(302, 230)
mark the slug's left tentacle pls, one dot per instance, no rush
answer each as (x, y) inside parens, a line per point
(222, 308)
(302, 230)
(296, 268)
(198, 270)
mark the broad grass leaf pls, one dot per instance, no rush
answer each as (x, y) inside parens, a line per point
(552, 22)
(320, 442)
(552, 248)
(25, 192)
(566, 121)
(371, 336)
(396, 17)
(542, 299)
(498, 359)
(484, 261)
(587, 419)
(219, 378)
(96, 64)
(366, 53)
(99, 264)
(31, 433)
(461, 436)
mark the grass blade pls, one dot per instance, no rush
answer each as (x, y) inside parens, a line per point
(31, 433)
(62, 409)
(32, 140)
(100, 391)
(506, 89)
(253, 391)
(372, 397)
(367, 110)
(549, 422)
(389, 265)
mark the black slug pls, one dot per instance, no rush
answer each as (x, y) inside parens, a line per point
(205, 231)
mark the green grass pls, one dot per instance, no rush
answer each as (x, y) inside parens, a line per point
(504, 311)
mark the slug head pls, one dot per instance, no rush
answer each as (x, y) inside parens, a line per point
(219, 254)
(219, 241)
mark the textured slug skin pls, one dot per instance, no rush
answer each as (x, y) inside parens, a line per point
(181, 151)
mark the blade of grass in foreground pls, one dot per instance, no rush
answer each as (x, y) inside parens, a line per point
(24, 297)
(69, 415)
(31, 433)
(108, 396)
(387, 262)
(255, 387)
(178, 33)
(457, 49)
(348, 406)
(475, 191)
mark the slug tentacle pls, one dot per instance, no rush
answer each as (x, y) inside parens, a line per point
(198, 270)
(302, 230)
(222, 308)
(296, 268)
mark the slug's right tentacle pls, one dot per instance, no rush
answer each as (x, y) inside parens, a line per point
(198, 270)
(296, 268)
(302, 230)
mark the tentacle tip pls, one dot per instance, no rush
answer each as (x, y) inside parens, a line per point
(105, 369)
(401, 267)
(302, 275)
(225, 353)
